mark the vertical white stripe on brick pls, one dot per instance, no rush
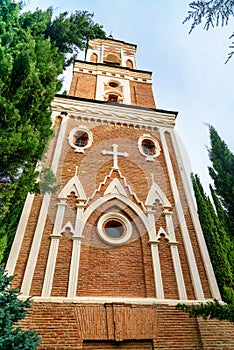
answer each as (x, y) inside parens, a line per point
(76, 248)
(17, 243)
(155, 258)
(180, 214)
(53, 252)
(157, 271)
(74, 267)
(33, 255)
(175, 256)
(50, 266)
(200, 237)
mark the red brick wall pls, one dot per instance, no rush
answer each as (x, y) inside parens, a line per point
(77, 326)
(142, 94)
(83, 85)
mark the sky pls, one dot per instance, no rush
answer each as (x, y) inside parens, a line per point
(189, 71)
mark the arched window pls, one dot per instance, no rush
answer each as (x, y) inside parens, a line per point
(94, 58)
(113, 59)
(112, 98)
(129, 64)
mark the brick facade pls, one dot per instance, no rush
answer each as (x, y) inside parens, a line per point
(90, 290)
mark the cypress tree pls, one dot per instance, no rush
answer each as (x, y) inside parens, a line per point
(217, 223)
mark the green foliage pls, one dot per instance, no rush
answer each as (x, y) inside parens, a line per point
(222, 173)
(12, 310)
(34, 49)
(212, 309)
(213, 13)
(217, 221)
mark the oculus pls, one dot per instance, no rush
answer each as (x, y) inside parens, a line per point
(148, 147)
(114, 229)
(80, 138)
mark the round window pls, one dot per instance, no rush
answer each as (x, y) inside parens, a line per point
(80, 138)
(148, 147)
(114, 229)
(113, 84)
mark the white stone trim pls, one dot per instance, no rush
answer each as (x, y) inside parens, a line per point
(73, 185)
(115, 187)
(184, 230)
(74, 267)
(155, 193)
(114, 241)
(35, 247)
(123, 199)
(103, 300)
(102, 80)
(137, 117)
(200, 237)
(50, 266)
(34, 251)
(19, 236)
(157, 271)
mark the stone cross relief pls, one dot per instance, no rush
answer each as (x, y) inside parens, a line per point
(115, 154)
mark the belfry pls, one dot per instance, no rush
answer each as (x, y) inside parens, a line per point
(109, 255)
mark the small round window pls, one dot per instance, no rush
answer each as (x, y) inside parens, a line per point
(148, 147)
(80, 138)
(114, 229)
(113, 84)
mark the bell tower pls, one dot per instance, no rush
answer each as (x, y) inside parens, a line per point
(109, 255)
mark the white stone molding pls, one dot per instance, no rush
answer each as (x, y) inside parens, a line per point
(123, 199)
(200, 237)
(73, 185)
(36, 243)
(19, 236)
(156, 145)
(115, 187)
(115, 155)
(34, 251)
(155, 255)
(50, 266)
(125, 115)
(125, 184)
(71, 135)
(74, 267)
(175, 256)
(157, 271)
(76, 248)
(104, 300)
(69, 226)
(155, 193)
(101, 93)
(184, 230)
(114, 241)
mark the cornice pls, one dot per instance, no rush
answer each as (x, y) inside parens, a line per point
(117, 70)
(113, 113)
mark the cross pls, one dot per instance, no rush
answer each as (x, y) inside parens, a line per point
(115, 154)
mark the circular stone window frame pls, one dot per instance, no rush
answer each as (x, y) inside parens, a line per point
(83, 129)
(108, 239)
(148, 157)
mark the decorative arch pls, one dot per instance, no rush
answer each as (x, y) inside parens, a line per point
(155, 193)
(73, 185)
(123, 199)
